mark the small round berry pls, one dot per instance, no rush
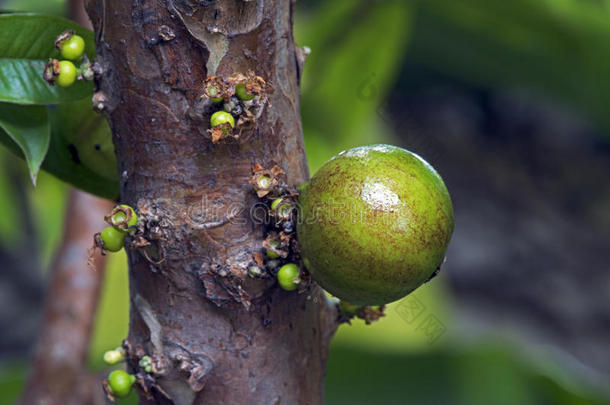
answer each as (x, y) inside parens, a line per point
(274, 245)
(288, 276)
(242, 92)
(120, 383)
(146, 363)
(112, 239)
(222, 117)
(73, 47)
(263, 182)
(114, 356)
(118, 217)
(281, 208)
(275, 203)
(67, 74)
(213, 91)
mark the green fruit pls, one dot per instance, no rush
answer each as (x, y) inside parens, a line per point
(119, 217)
(242, 93)
(262, 182)
(282, 209)
(275, 203)
(213, 91)
(73, 48)
(222, 117)
(112, 239)
(146, 363)
(270, 253)
(114, 356)
(288, 276)
(67, 74)
(120, 383)
(375, 224)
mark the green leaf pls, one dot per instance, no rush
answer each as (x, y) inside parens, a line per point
(355, 58)
(27, 41)
(556, 48)
(81, 151)
(28, 127)
(21, 82)
(46, 7)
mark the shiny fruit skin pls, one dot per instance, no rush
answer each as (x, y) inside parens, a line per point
(73, 48)
(214, 91)
(288, 276)
(375, 222)
(222, 117)
(120, 217)
(120, 383)
(67, 74)
(112, 239)
(270, 253)
(242, 93)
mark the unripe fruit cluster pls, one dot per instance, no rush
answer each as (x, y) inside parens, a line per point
(64, 72)
(270, 184)
(123, 220)
(236, 100)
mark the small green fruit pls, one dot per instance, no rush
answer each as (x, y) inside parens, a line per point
(262, 182)
(67, 74)
(242, 92)
(119, 217)
(374, 224)
(270, 253)
(120, 383)
(114, 356)
(73, 48)
(275, 203)
(288, 276)
(222, 117)
(281, 208)
(112, 239)
(146, 363)
(213, 91)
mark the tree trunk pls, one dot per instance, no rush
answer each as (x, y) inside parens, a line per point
(215, 334)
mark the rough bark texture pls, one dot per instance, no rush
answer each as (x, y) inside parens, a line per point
(59, 368)
(215, 334)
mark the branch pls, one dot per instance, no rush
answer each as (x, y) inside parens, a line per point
(59, 367)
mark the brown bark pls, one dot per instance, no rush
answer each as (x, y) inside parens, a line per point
(215, 334)
(58, 374)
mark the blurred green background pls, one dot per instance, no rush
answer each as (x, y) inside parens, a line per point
(376, 73)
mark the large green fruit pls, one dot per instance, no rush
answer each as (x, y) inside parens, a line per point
(374, 224)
